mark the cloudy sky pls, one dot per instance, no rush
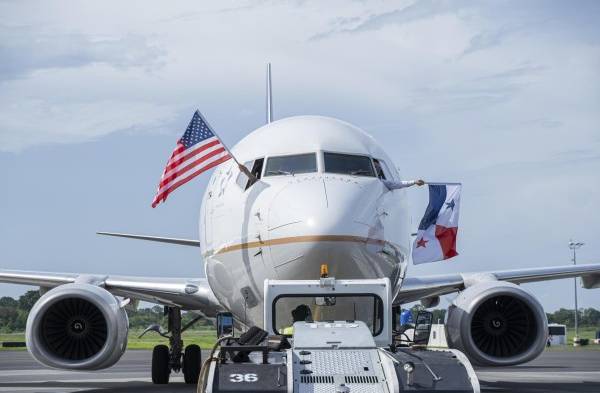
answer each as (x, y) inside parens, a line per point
(503, 96)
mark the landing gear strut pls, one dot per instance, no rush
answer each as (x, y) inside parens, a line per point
(172, 358)
(175, 341)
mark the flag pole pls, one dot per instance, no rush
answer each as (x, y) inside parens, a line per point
(240, 166)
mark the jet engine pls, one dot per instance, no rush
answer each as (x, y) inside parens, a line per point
(497, 324)
(77, 327)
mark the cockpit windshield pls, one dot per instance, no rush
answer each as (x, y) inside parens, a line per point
(356, 307)
(291, 165)
(348, 164)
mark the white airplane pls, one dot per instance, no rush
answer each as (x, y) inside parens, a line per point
(318, 198)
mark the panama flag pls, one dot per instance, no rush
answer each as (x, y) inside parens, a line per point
(436, 238)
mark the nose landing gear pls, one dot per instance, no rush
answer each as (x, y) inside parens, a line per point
(171, 358)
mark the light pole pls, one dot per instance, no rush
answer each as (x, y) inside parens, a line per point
(574, 246)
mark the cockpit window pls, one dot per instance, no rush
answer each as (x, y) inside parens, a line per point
(348, 164)
(256, 171)
(383, 171)
(255, 167)
(379, 169)
(291, 165)
(386, 170)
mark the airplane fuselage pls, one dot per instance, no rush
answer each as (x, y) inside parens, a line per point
(290, 221)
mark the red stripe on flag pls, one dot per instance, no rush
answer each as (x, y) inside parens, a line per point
(447, 239)
(178, 150)
(186, 168)
(173, 164)
(162, 195)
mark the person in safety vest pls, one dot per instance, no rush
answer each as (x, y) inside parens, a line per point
(300, 313)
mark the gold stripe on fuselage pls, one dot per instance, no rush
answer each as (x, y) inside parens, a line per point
(294, 239)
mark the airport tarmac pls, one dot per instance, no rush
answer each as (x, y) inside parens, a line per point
(551, 372)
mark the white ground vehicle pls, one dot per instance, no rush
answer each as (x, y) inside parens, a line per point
(557, 334)
(346, 345)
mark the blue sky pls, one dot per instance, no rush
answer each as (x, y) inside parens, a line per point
(502, 96)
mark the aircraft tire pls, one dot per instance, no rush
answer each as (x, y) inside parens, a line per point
(192, 361)
(160, 365)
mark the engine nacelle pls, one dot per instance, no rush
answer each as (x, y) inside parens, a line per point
(497, 324)
(77, 327)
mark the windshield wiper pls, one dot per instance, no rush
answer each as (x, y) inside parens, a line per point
(360, 172)
(279, 172)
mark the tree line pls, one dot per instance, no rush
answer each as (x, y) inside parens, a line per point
(13, 314)
(586, 317)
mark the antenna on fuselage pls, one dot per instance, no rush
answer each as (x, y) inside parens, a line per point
(269, 95)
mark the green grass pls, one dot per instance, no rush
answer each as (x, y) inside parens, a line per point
(12, 337)
(204, 338)
(584, 332)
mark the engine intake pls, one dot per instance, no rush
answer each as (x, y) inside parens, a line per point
(77, 326)
(497, 324)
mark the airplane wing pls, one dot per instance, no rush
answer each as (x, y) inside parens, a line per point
(160, 239)
(421, 287)
(188, 294)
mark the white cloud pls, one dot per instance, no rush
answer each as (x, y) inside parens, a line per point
(26, 50)
(401, 62)
(72, 122)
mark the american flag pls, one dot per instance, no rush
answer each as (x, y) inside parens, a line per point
(198, 150)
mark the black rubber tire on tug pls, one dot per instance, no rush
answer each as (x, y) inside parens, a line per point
(192, 362)
(160, 365)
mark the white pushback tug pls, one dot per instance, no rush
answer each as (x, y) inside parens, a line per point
(346, 344)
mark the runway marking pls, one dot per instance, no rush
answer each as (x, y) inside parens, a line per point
(10, 373)
(539, 376)
(95, 380)
(37, 389)
(16, 373)
(81, 384)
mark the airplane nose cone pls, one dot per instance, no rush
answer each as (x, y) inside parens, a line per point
(299, 201)
(328, 219)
